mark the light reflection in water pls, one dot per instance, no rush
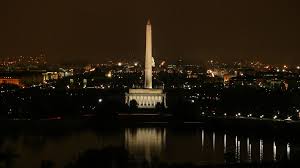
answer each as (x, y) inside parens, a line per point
(202, 139)
(237, 149)
(274, 151)
(249, 150)
(145, 142)
(288, 151)
(149, 142)
(225, 143)
(261, 150)
(214, 141)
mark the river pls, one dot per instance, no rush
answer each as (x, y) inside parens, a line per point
(194, 145)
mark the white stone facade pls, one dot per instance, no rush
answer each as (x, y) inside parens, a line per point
(146, 98)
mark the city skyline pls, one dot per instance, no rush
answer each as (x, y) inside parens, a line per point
(196, 31)
(149, 83)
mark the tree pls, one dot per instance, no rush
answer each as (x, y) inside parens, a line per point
(133, 106)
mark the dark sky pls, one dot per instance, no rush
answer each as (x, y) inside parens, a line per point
(196, 30)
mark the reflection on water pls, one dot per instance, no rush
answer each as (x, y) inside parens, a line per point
(249, 150)
(237, 149)
(274, 151)
(214, 141)
(200, 146)
(261, 150)
(147, 142)
(202, 139)
(225, 143)
(288, 151)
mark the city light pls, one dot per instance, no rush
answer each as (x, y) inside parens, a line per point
(211, 73)
(109, 74)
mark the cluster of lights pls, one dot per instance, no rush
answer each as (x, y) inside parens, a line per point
(211, 72)
(238, 115)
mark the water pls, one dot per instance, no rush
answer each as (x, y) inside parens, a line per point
(199, 146)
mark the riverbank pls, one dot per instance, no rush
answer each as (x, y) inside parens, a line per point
(156, 120)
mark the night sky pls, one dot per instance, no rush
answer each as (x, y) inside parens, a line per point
(91, 31)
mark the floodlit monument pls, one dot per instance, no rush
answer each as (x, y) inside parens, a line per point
(148, 97)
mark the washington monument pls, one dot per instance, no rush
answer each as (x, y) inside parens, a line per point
(148, 57)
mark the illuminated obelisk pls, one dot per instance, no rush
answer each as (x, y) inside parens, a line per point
(148, 57)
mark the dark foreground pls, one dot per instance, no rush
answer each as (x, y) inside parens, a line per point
(149, 141)
(252, 125)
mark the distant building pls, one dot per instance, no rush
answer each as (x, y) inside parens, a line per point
(227, 78)
(22, 78)
(10, 80)
(61, 73)
(146, 98)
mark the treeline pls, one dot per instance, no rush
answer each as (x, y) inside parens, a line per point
(47, 104)
(34, 103)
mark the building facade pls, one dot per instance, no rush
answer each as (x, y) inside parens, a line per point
(146, 98)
